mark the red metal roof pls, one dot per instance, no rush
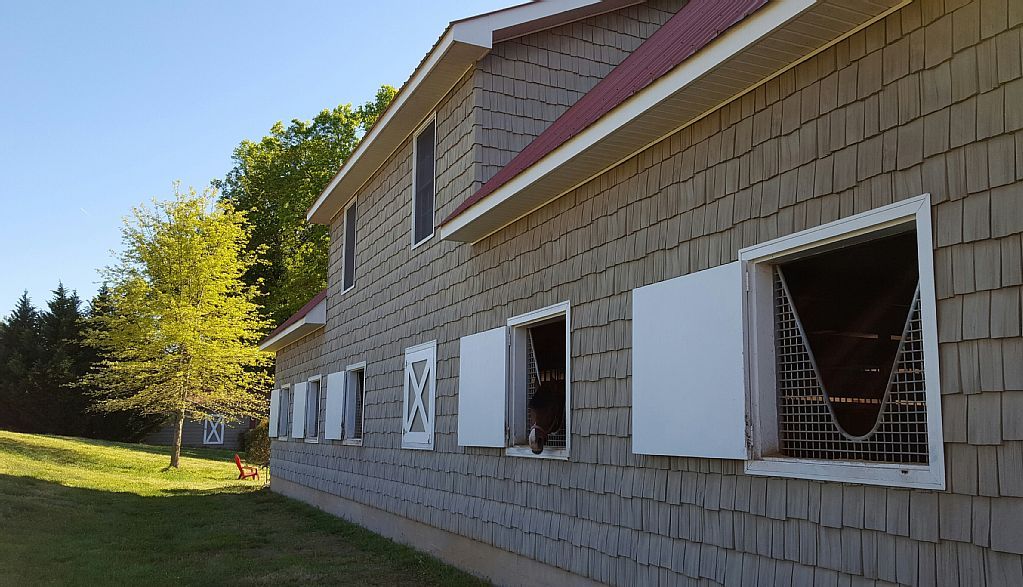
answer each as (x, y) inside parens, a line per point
(695, 25)
(296, 316)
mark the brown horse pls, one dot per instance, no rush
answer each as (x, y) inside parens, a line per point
(547, 412)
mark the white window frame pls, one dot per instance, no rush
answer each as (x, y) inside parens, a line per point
(432, 119)
(344, 246)
(319, 390)
(360, 366)
(759, 339)
(428, 352)
(516, 390)
(284, 412)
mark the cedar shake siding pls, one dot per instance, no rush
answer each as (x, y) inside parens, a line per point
(927, 100)
(525, 84)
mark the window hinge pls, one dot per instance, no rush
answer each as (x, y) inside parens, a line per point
(745, 280)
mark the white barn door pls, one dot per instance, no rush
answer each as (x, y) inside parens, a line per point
(420, 396)
(213, 430)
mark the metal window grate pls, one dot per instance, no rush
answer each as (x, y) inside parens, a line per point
(807, 426)
(359, 398)
(534, 376)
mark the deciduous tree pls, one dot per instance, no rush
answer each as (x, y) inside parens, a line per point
(180, 337)
(275, 180)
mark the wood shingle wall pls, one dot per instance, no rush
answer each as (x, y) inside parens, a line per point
(526, 83)
(928, 100)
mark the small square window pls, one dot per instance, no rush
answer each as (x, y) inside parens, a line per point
(312, 409)
(539, 406)
(844, 348)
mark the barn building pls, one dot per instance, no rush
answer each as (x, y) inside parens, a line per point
(215, 432)
(764, 254)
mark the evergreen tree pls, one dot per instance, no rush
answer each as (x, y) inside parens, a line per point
(20, 354)
(122, 425)
(63, 362)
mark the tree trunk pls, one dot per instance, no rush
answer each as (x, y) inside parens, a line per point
(176, 451)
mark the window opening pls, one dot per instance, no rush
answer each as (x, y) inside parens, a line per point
(312, 409)
(545, 386)
(849, 352)
(355, 381)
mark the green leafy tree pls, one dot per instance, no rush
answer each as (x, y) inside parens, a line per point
(276, 180)
(180, 337)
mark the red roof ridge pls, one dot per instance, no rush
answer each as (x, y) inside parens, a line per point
(694, 26)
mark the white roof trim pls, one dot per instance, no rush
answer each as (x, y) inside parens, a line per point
(473, 224)
(462, 44)
(304, 326)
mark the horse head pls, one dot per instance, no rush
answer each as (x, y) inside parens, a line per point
(547, 412)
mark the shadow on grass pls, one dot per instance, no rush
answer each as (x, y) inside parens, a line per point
(212, 454)
(54, 534)
(67, 456)
(57, 455)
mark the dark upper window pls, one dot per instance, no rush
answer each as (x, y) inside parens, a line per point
(424, 158)
(349, 248)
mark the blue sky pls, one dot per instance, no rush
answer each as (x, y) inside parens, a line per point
(105, 104)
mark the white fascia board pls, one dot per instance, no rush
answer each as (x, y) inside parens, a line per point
(389, 115)
(475, 36)
(480, 30)
(311, 322)
(732, 42)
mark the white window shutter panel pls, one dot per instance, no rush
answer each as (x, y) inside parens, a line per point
(688, 383)
(298, 410)
(335, 407)
(482, 388)
(275, 403)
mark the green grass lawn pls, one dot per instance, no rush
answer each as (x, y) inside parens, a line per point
(76, 511)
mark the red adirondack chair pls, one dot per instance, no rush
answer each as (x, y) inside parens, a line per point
(243, 471)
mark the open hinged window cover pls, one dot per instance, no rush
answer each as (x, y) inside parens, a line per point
(483, 388)
(275, 407)
(842, 337)
(688, 392)
(333, 412)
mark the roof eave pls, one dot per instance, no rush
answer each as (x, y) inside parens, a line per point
(314, 319)
(431, 82)
(464, 43)
(777, 37)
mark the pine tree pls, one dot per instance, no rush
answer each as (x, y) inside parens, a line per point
(20, 354)
(181, 339)
(64, 361)
(122, 425)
